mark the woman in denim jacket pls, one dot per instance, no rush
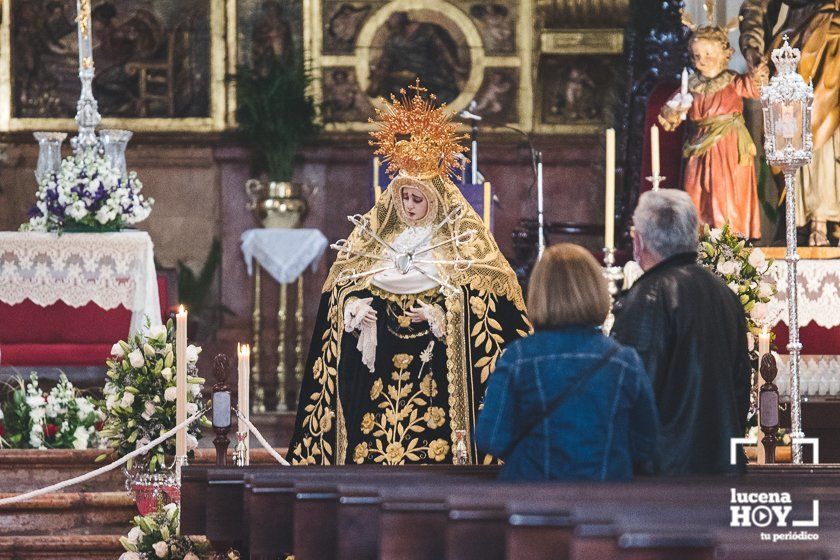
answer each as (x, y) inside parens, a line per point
(605, 418)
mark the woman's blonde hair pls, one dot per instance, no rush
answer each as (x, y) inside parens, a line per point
(567, 287)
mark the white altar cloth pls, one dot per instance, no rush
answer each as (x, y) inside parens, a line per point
(819, 292)
(108, 269)
(283, 253)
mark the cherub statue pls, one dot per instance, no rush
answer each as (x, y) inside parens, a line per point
(720, 168)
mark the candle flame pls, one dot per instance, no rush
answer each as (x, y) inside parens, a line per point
(246, 349)
(181, 310)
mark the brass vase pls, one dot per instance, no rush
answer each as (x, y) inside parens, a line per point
(278, 204)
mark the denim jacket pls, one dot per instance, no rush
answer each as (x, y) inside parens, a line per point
(597, 433)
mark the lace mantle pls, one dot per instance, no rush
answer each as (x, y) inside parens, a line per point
(108, 269)
(819, 292)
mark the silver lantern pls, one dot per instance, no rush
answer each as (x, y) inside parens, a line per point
(786, 103)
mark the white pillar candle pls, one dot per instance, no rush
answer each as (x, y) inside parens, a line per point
(763, 343)
(181, 380)
(243, 397)
(609, 195)
(654, 150)
(684, 82)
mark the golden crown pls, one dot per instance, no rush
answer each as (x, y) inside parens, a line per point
(416, 137)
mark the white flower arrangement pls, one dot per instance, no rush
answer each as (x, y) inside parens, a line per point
(60, 419)
(743, 268)
(139, 396)
(157, 536)
(88, 193)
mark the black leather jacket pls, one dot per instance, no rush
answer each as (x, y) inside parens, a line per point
(690, 331)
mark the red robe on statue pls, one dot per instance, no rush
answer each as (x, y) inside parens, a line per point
(720, 168)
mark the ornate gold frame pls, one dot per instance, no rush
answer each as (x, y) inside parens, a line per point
(523, 59)
(222, 98)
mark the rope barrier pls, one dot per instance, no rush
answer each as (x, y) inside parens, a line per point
(261, 439)
(107, 468)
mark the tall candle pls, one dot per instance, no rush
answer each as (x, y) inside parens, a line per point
(243, 397)
(684, 82)
(609, 195)
(654, 150)
(181, 380)
(763, 343)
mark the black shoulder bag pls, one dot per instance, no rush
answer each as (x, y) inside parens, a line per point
(558, 400)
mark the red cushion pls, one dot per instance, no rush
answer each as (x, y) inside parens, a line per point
(54, 354)
(815, 339)
(59, 323)
(163, 292)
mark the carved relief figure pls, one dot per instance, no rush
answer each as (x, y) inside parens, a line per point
(413, 49)
(496, 98)
(343, 26)
(271, 39)
(813, 26)
(344, 101)
(496, 25)
(576, 99)
(151, 59)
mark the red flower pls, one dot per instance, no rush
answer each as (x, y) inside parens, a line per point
(50, 430)
(2, 429)
(98, 426)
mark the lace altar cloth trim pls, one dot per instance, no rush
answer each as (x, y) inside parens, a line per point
(819, 292)
(108, 269)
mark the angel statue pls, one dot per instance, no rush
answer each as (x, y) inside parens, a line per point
(414, 313)
(720, 168)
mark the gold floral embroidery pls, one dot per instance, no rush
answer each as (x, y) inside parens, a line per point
(486, 333)
(401, 418)
(320, 413)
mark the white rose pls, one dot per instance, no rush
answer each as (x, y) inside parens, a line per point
(129, 555)
(759, 311)
(80, 438)
(161, 549)
(171, 510)
(190, 556)
(166, 373)
(757, 259)
(148, 410)
(727, 268)
(136, 358)
(192, 442)
(127, 400)
(192, 353)
(170, 394)
(158, 332)
(715, 234)
(110, 401)
(117, 351)
(192, 408)
(195, 389)
(134, 535)
(765, 290)
(734, 287)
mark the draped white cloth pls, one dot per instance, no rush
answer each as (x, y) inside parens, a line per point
(819, 292)
(108, 269)
(283, 253)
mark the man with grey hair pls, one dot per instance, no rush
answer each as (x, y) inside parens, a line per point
(690, 330)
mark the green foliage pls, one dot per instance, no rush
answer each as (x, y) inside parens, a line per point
(276, 114)
(765, 181)
(158, 535)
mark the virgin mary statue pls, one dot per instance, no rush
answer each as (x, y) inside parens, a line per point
(415, 311)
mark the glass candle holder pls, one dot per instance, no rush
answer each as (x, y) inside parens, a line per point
(49, 153)
(114, 143)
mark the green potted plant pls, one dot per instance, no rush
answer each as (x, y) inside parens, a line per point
(277, 115)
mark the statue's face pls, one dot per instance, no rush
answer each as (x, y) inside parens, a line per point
(710, 57)
(415, 204)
